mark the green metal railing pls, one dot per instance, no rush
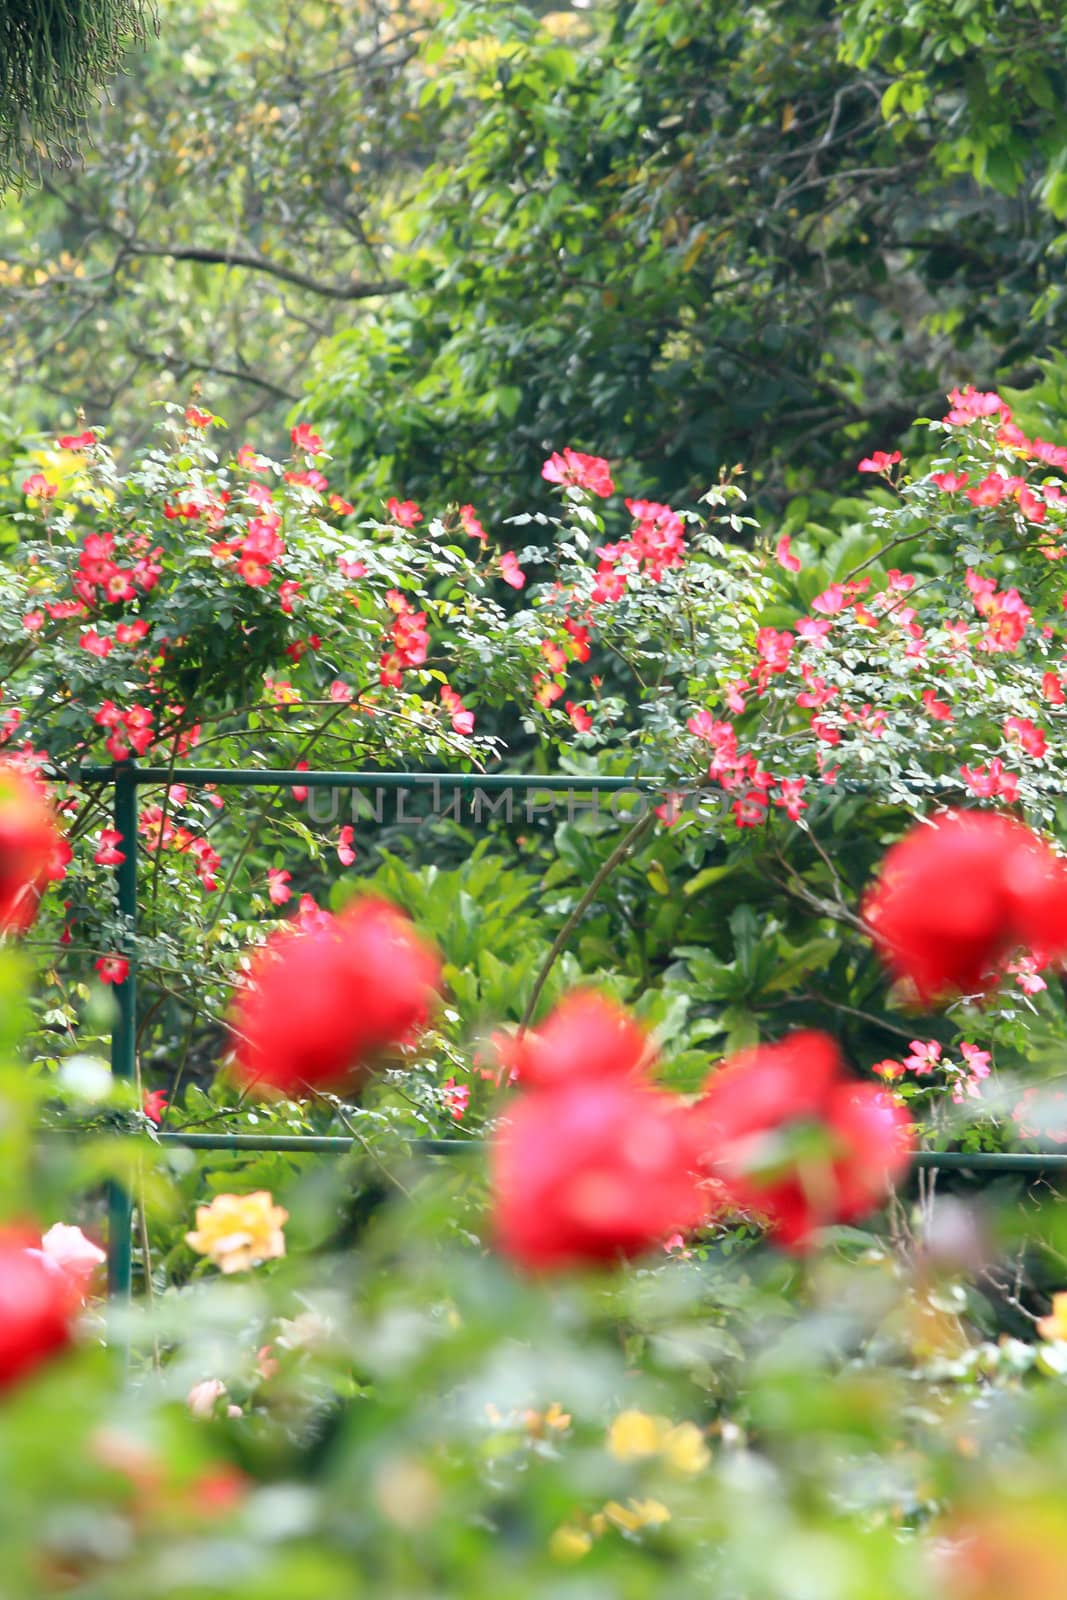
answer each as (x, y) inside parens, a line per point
(127, 777)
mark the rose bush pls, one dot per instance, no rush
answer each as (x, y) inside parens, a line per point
(396, 1372)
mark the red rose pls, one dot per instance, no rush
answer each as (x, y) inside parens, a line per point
(957, 896)
(790, 1138)
(30, 846)
(592, 1172)
(36, 1308)
(586, 1036)
(324, 1000)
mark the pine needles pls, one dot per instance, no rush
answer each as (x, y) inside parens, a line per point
(54, 54)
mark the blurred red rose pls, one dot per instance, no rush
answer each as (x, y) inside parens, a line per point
(325, 999)
(586, 1036)
(958, 895)
(30, 848)
(37, 1307)
(585, 1174)
(790, 1138)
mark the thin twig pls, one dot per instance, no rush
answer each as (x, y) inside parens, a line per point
(628, 843)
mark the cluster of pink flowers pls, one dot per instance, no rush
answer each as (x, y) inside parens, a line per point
(656, 545)
(732, 769)
(1005, 619)
(1006, 614)
(583, 472)
(211, 508)
(127, 730)
(926, 1057)
(258, 550)
(101, 580)
(132, 729)
(968, 406)
(410, 640)
(160, 832)
(971, 406)
(558, 655)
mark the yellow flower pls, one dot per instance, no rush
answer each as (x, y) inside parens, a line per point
(65, 471)
(684, 1448)
(555, 1418)
(1055, 1326)
(237, 1230)
(634, 1434)
(569, 1543)
(638, 1514)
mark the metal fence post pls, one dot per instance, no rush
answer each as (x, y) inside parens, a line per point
(124, 1038)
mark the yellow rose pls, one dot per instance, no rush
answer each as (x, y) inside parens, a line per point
(634, 1434)
(239, 1230)
(569, 1543)
(685, 1449)
(638, 1514)
(1055, 1326)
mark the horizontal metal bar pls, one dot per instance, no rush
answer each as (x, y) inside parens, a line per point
(325, 1143)
(306, 1143)
(940, 1160)
(993, 1161)
(282, 778)
(489, 782)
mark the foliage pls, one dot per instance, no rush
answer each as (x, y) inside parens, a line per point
(791, 710)
(52, 63)
(987, 60)
(485, 231)
(478, 233)
(689, 241)
(849, 1424)
(235, 205)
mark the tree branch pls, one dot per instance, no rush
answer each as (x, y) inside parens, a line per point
(354, 289)
(160, 358)
(630, 842)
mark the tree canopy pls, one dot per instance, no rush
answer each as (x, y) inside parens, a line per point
(680, 238)
(53, 61)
